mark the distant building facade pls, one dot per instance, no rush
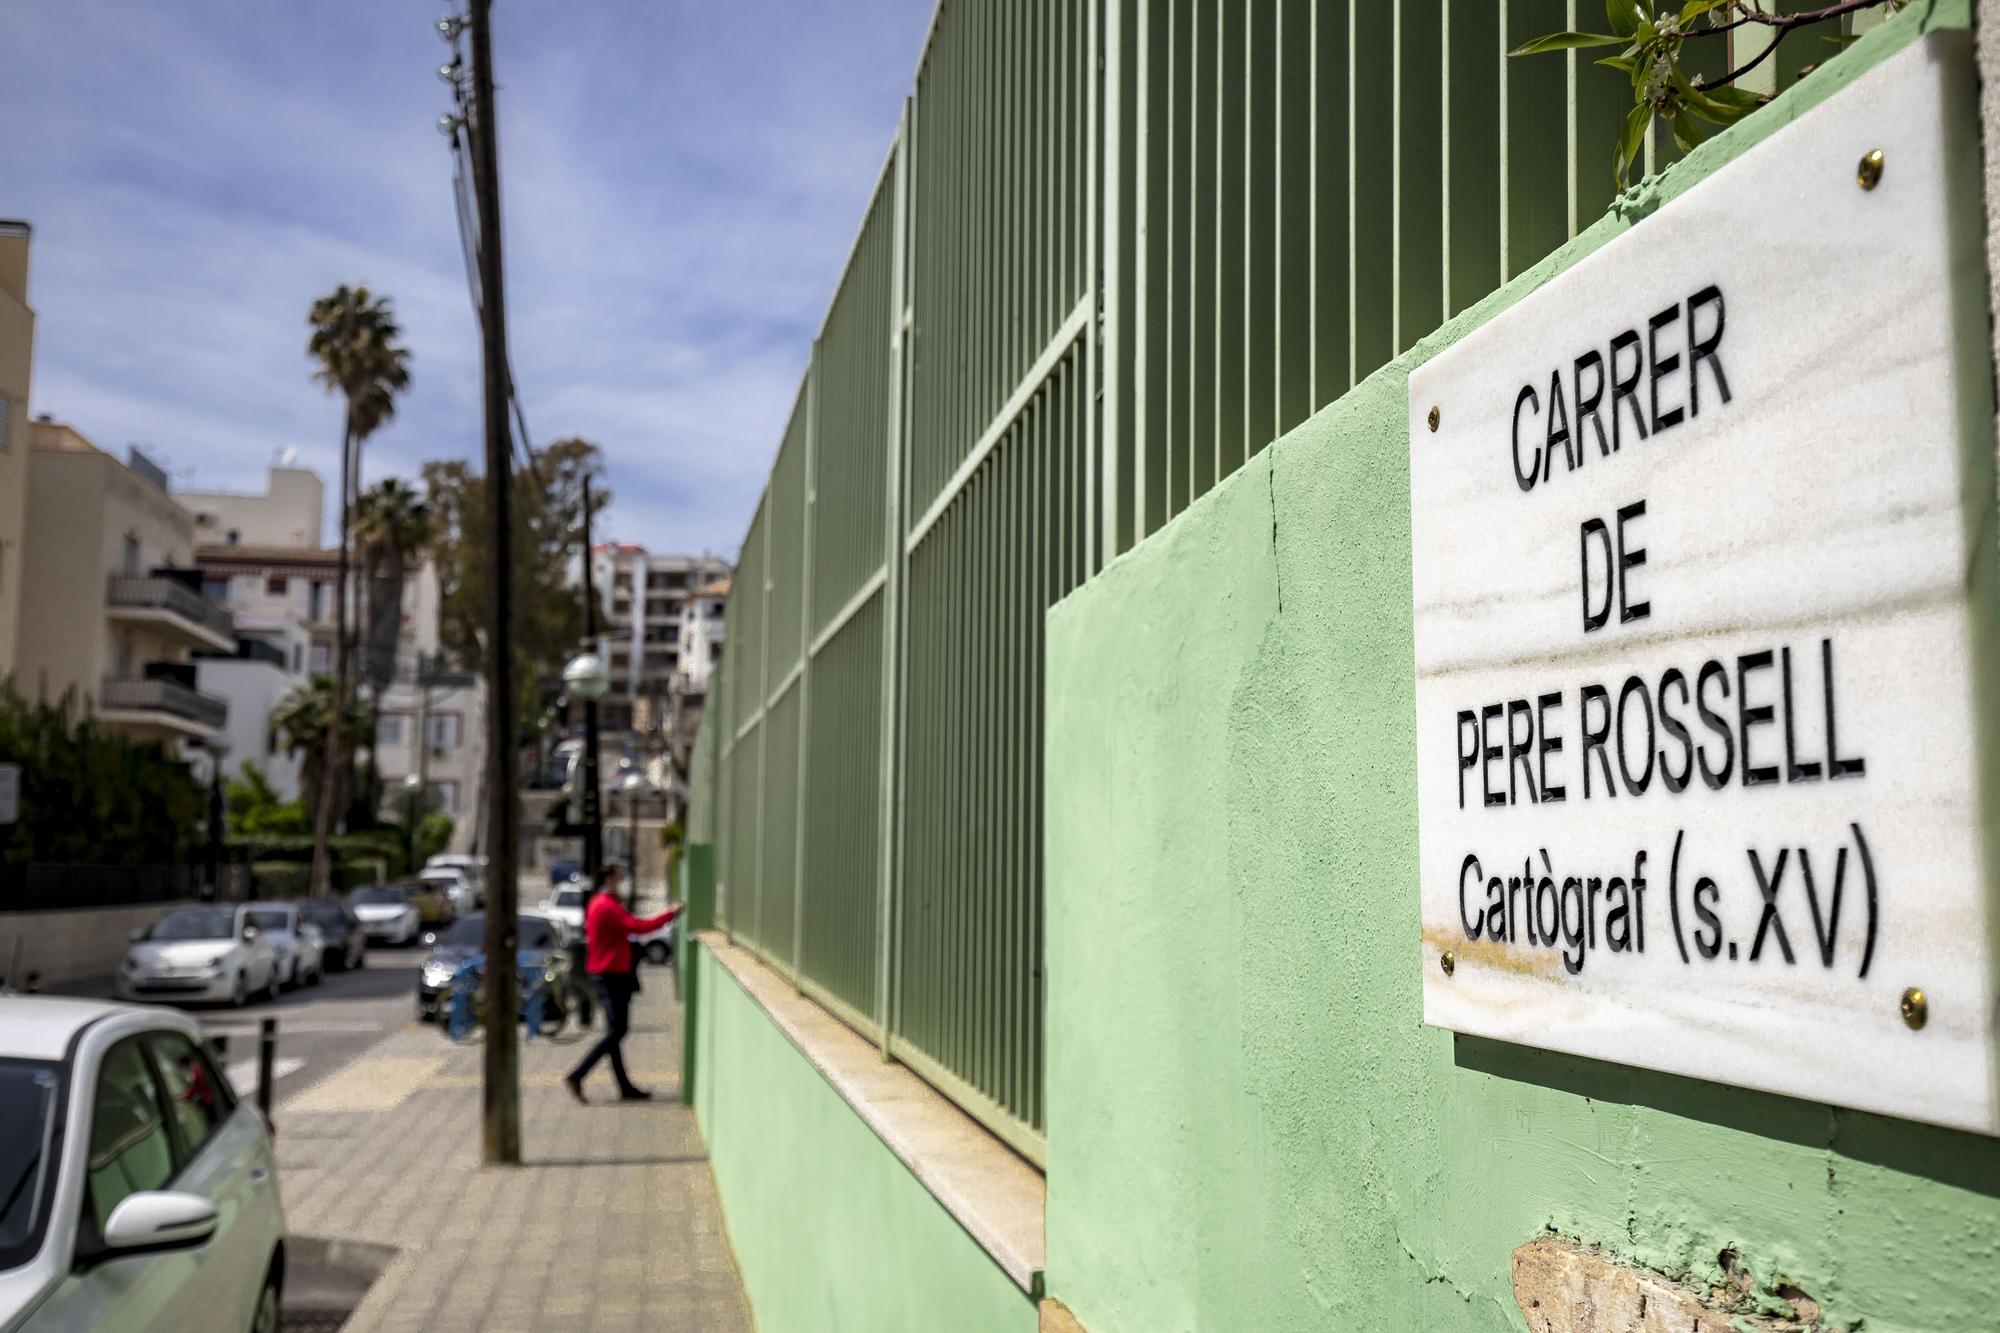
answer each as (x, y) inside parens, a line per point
(288, 512)
(17, 354)
(112, 610)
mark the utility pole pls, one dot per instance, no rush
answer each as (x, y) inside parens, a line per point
(424, 665)
(593, 817)
(500, 1093)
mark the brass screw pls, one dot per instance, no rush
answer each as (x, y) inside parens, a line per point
(1449, 962)
(1434, 426)
(1915, 1008)
(1869, 173)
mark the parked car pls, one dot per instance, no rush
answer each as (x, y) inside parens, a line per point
(150, 1192)
(199, 953)
(430, 898)
(562, 872)
(538, 940)
(300, 947)
(656, 946)
(472, 867)
(456, 884)
(386, 913)
(565, 904)
(344, 938)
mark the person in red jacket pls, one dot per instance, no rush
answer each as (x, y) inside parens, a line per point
(607, 958)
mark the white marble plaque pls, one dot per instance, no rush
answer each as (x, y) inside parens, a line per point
(1701, 544)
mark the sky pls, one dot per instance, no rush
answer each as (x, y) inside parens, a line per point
(681, 182)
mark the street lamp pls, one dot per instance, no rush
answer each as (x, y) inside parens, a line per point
(589, 679)
(216, 746)
(413, 799)
(634, 786)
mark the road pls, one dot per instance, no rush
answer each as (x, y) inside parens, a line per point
(320, 1028)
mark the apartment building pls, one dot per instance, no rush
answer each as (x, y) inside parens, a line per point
(273, 571)
(289, 512)
(17, 348)
(111, 605)
(642, 599)
(268, 664)
(701, 638)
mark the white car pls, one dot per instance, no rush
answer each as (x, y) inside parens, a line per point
(472, 867)
(144, 1195)
(386, 914)
(301, 949)
(457, 885)
(199, 953)
(565, 905)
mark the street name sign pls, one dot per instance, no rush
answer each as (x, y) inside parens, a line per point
(1703, 578)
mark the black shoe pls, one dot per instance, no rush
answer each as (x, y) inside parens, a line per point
(634, 1095)
(575, 1086)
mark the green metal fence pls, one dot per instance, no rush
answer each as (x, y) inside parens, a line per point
(1117, 247)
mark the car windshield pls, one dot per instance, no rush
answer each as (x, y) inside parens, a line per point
(195, 923)
(268, 918)
(323, 912)
(469, 932)
(379, 896)
(568, 898)
(29, 1091)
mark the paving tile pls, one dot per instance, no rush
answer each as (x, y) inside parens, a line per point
(612, 1223)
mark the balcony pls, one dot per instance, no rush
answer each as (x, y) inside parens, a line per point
(164, 602)
(159, 708)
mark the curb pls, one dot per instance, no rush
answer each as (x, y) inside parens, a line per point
(359, 1257)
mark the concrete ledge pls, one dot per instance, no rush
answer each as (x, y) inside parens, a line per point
(992, 1192)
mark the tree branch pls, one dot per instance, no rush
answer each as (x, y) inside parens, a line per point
(1782, 26)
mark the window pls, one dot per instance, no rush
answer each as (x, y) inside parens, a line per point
(316, 608)
(196, 1093)
(234, 537)
(129, 1147)
(276, 585)
(215, 589)
(447, 797)
(389, 729)
(129, 562)
(6, 421)
(322, 659)
(446, 731)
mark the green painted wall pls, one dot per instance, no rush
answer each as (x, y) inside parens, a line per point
(830, 1229)
(1249, 1127)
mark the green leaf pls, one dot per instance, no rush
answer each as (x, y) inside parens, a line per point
(1630, 139)
(1739, 98)
(1694, 9)
(1841, 38)
(1624, 64)
(1687, 134)
(1564, 41)
(1623, 16)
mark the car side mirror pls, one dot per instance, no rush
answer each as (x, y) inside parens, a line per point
(153, 1222)
(430, 939)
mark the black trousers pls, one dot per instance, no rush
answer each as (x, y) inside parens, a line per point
(614, 992)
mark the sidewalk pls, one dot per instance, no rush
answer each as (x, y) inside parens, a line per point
(611, 1223)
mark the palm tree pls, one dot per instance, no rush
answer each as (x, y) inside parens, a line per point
(303, 720)
(392, 525)
(355, 340)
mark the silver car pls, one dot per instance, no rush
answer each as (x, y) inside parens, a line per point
(144, 1196)
(301, 949)
(192, 954)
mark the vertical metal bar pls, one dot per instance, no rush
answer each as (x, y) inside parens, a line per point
(890, 699)
(1103, 237)
(1111, 247)
(807, 504)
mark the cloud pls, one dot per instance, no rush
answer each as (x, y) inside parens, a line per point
(682, 181)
